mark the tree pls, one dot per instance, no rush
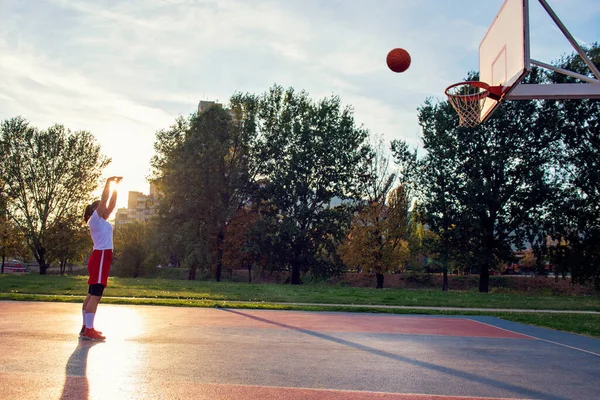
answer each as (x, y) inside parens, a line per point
(239, 250)
(307, 154)
(47, 174)
(201, 171)
(12, 241)
(68, 241)
(491, 183)
(434, 171)
(132, 249)
(378, 239)
(574, 218)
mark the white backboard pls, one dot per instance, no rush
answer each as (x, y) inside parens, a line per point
(504, 51)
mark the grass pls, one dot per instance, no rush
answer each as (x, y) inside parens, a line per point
(235, 295)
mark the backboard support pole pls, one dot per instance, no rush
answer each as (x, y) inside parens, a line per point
(570, 38)
(555, 91)
(584, 78)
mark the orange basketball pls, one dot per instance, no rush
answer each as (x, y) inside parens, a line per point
(398, 60)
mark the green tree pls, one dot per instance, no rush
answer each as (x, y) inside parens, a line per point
(47, 174)
(12, 241)
(68, 241)
(201, 171)
(132, 249)
(435, 170)
(307, 154)
(492, 182)
(575, 217)
(378, 239)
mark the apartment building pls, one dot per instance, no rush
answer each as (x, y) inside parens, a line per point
(140, 207)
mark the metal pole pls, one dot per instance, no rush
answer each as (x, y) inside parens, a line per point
(571, 39)
(565, 72)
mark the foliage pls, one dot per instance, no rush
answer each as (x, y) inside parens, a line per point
(201, 171)
(132, 242)
(239, 251)
(575, 216)
(12, 241)
(68, 241)
(378, 240)
(307, 154)
(484, 189)
(48, 176)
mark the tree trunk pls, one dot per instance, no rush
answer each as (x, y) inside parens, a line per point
(192, 273)
(488, 253)
(484, 279)
(296, 273)
(296, 266)
(379, 276)
(445, 280)
(220, 236)
(40, 256)
(3, 258)
(249, 273)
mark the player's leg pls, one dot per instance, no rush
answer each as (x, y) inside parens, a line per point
(98, 268)
(95, 295)
(85, 302)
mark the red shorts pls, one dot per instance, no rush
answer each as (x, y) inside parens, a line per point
(99, 266)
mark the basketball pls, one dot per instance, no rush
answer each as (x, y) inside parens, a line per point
(398, 60)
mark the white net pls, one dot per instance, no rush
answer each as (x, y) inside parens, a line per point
(467, 100)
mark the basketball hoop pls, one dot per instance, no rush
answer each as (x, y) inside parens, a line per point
(468, 98)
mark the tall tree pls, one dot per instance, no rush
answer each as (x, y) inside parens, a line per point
(47, 174)
(492, 181)
(308, 153)
(575, 216)
(201, 171)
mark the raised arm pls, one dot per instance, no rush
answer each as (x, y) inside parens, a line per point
(105, 209)
(112, 203)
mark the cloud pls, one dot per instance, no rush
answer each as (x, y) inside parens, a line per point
(126, 69)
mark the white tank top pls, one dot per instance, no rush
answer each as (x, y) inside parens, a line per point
(101, 231)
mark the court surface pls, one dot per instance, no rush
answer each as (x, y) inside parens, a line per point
(213, 354)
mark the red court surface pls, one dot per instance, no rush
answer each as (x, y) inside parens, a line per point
(360, 323)
(218, 354)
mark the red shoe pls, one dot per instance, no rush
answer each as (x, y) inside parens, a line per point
(83, 329)
(92, 334)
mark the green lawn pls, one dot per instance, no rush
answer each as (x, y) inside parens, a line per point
(213, 294)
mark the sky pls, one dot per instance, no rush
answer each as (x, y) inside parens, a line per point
(124, 69)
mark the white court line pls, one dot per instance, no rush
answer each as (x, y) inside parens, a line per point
(537, 338)
(394, 394)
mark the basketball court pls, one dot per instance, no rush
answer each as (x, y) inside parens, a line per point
(183, 353)
(214, 354)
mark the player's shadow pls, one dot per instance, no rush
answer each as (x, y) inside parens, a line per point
(76, 385)
(519, 390)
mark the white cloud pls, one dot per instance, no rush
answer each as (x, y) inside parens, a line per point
(126, 69)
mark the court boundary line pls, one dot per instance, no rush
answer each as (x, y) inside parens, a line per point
(417, 395)
(540, 339)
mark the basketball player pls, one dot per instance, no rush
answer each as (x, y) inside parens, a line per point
(96, 215)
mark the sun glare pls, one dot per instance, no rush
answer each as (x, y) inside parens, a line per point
(118, 359)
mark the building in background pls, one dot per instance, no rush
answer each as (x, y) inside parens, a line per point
(140, 207)
(204, 105)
